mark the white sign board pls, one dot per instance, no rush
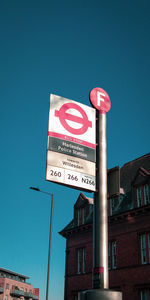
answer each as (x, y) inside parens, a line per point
(71, 144)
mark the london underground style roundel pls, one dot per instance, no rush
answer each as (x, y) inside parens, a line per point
(72, 121)
(64, 116)
(100, 100)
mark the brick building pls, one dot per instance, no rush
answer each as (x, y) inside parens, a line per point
(129, 237)
(13, 286)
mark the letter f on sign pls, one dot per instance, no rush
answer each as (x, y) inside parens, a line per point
(99, 98)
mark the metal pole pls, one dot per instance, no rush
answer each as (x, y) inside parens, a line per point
(50, 235)
(49, 251)
(100, 219)
(100, 100)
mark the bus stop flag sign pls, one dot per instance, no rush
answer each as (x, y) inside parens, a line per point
(71, 147)
(100, 100)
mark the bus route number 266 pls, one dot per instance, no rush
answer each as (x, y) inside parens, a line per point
(72, 177)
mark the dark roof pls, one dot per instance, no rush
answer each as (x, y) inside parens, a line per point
(83, 200)
(127, 175)
(129, 171)
(126, 204)
(72, 225)
(13, 273)
(67, 228)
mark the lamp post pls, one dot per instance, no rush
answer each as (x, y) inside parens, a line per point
(50, 235)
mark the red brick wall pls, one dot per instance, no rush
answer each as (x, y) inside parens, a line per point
(130, 274)
(76, 282)
(20, 285)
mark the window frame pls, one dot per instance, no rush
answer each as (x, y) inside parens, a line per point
(81, 260)
(112, 205)
(142, 194)
(78, 216)
(145, 248)
(114, 252)
(112, 255)
(139, 196)
(81, 216)
(145, 294)
(146, 194)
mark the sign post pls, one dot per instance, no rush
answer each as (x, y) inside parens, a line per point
(100, 100)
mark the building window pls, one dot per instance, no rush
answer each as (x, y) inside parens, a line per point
(145, 248)
(145, 294)
(83, 253)
(142, 195)
(81, 216)
(112, 255)
(81, 260)
(146, 194)
(139, 196)
(112, 206)
(113, 203)
(7, 286)
(78, 217)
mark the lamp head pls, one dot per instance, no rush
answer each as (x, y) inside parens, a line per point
(34, 188)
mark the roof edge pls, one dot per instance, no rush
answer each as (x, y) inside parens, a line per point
(14, 273)
(139, 158)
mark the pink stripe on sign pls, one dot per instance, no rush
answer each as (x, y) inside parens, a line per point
(98, 270)
(71, 139)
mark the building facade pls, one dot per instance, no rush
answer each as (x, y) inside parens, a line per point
(13, 286)
(129, 237)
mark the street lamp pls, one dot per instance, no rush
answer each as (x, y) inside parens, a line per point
(50, 234)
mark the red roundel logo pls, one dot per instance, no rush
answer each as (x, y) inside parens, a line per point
(83, 120)
(100, 100)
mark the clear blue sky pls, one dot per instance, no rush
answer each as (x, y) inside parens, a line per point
(66, 48)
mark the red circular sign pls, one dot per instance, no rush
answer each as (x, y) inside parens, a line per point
(100, 100)
(63, 116)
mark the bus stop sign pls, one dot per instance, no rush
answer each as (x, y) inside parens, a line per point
(100, 100)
